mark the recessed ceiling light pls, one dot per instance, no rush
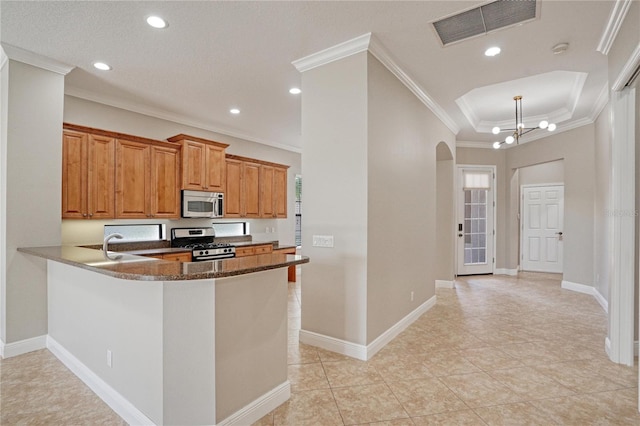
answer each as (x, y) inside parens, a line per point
(157, 22)
(492, 51)
(101, 66)
(295, 91)
(234, 111)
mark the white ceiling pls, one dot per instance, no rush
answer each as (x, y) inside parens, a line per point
(219, 55)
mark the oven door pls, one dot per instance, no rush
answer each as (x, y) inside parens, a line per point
(202, 204)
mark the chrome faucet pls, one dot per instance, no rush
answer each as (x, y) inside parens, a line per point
(105, 245)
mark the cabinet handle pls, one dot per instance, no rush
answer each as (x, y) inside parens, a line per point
(84, 215)
(90, 214)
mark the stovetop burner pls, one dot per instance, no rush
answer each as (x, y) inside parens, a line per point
(201, 242)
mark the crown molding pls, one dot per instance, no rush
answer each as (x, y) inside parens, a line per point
(176, 118)
(618, 13)
(474, 144)
(25, 56)
(627, 71)
(368, 42)
(601, 102)
(331, 54)
(377, 50)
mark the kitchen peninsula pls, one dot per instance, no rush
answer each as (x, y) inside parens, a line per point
(165, 342)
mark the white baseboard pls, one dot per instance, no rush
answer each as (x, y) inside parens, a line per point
(601, 300)
(260, 407)
(505, 271)
(607, 346)
(8, 350)
(110, 396)
(444, 284)
(332, 344)
(587, 289)
(363, 352)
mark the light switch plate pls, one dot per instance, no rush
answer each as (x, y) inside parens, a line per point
(323, 241)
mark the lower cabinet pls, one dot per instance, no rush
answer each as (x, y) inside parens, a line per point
(178, 257)
(253, 250)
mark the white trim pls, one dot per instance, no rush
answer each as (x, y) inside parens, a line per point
(110, 396)
(474, 144)
(25, 56)
(332, 344)
(607, 346)
(600, 103)
(579, 288)
(169, 116)
(506, 271)
(622, 227)
(445, 284)
(363, 352)
(377, 50)
(8, 350)
(386, 337)
(4, 59)
(368, 42)
(260, 407)
(334, 53)
(616, 17)
(601, 300)
(592, 291)
(627, 71)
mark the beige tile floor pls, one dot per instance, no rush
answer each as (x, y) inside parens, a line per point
(495, 350)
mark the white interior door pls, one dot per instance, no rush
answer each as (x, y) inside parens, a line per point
(475, 220)
(541, 229)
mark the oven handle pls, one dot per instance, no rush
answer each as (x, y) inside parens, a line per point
(214, 257)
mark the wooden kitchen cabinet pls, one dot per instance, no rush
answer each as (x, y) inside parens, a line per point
(242, 194)
(254, 250)
(88, 185)
(291, 270)
(255, 188)
(147, 180)
(203, 163)
(176, 257)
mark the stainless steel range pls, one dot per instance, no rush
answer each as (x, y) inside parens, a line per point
(202, 245)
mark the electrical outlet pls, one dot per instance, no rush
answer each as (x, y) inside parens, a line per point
(412, 296)
(267, 230)
(322, 241)
(109, 358)
(273, 229)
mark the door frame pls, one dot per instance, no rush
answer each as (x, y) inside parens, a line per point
(521, 218)
(494, 187)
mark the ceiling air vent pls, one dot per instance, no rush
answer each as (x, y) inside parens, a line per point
(484, 19)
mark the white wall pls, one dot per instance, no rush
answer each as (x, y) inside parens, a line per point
(401, 232)
(602, 171)
(334, 167)
(545, 173)
(369, 166)
(33, 100)
(93, 114)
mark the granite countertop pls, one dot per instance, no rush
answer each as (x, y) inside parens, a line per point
(132, 267)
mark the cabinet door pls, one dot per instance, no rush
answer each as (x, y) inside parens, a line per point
(266, 191)
(178, 257)
(215, 168)
(250, 194)
(165, 193)
(280, 192)
(133, 164)
(233, 189)
(101, 177)
(74, 174)
(194, 166)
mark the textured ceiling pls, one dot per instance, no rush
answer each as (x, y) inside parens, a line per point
(218, 55)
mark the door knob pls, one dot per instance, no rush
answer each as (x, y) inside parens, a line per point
(460, 235)
(559, 233)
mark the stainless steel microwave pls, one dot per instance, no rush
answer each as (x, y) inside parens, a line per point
(202, 204)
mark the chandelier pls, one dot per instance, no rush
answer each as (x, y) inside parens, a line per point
(516, 133)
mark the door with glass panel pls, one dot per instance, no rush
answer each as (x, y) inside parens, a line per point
(475, 224)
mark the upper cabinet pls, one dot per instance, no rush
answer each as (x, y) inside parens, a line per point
(203, 163)
(108, 175)
(147, 180)
(88, 184)
(255, 188)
